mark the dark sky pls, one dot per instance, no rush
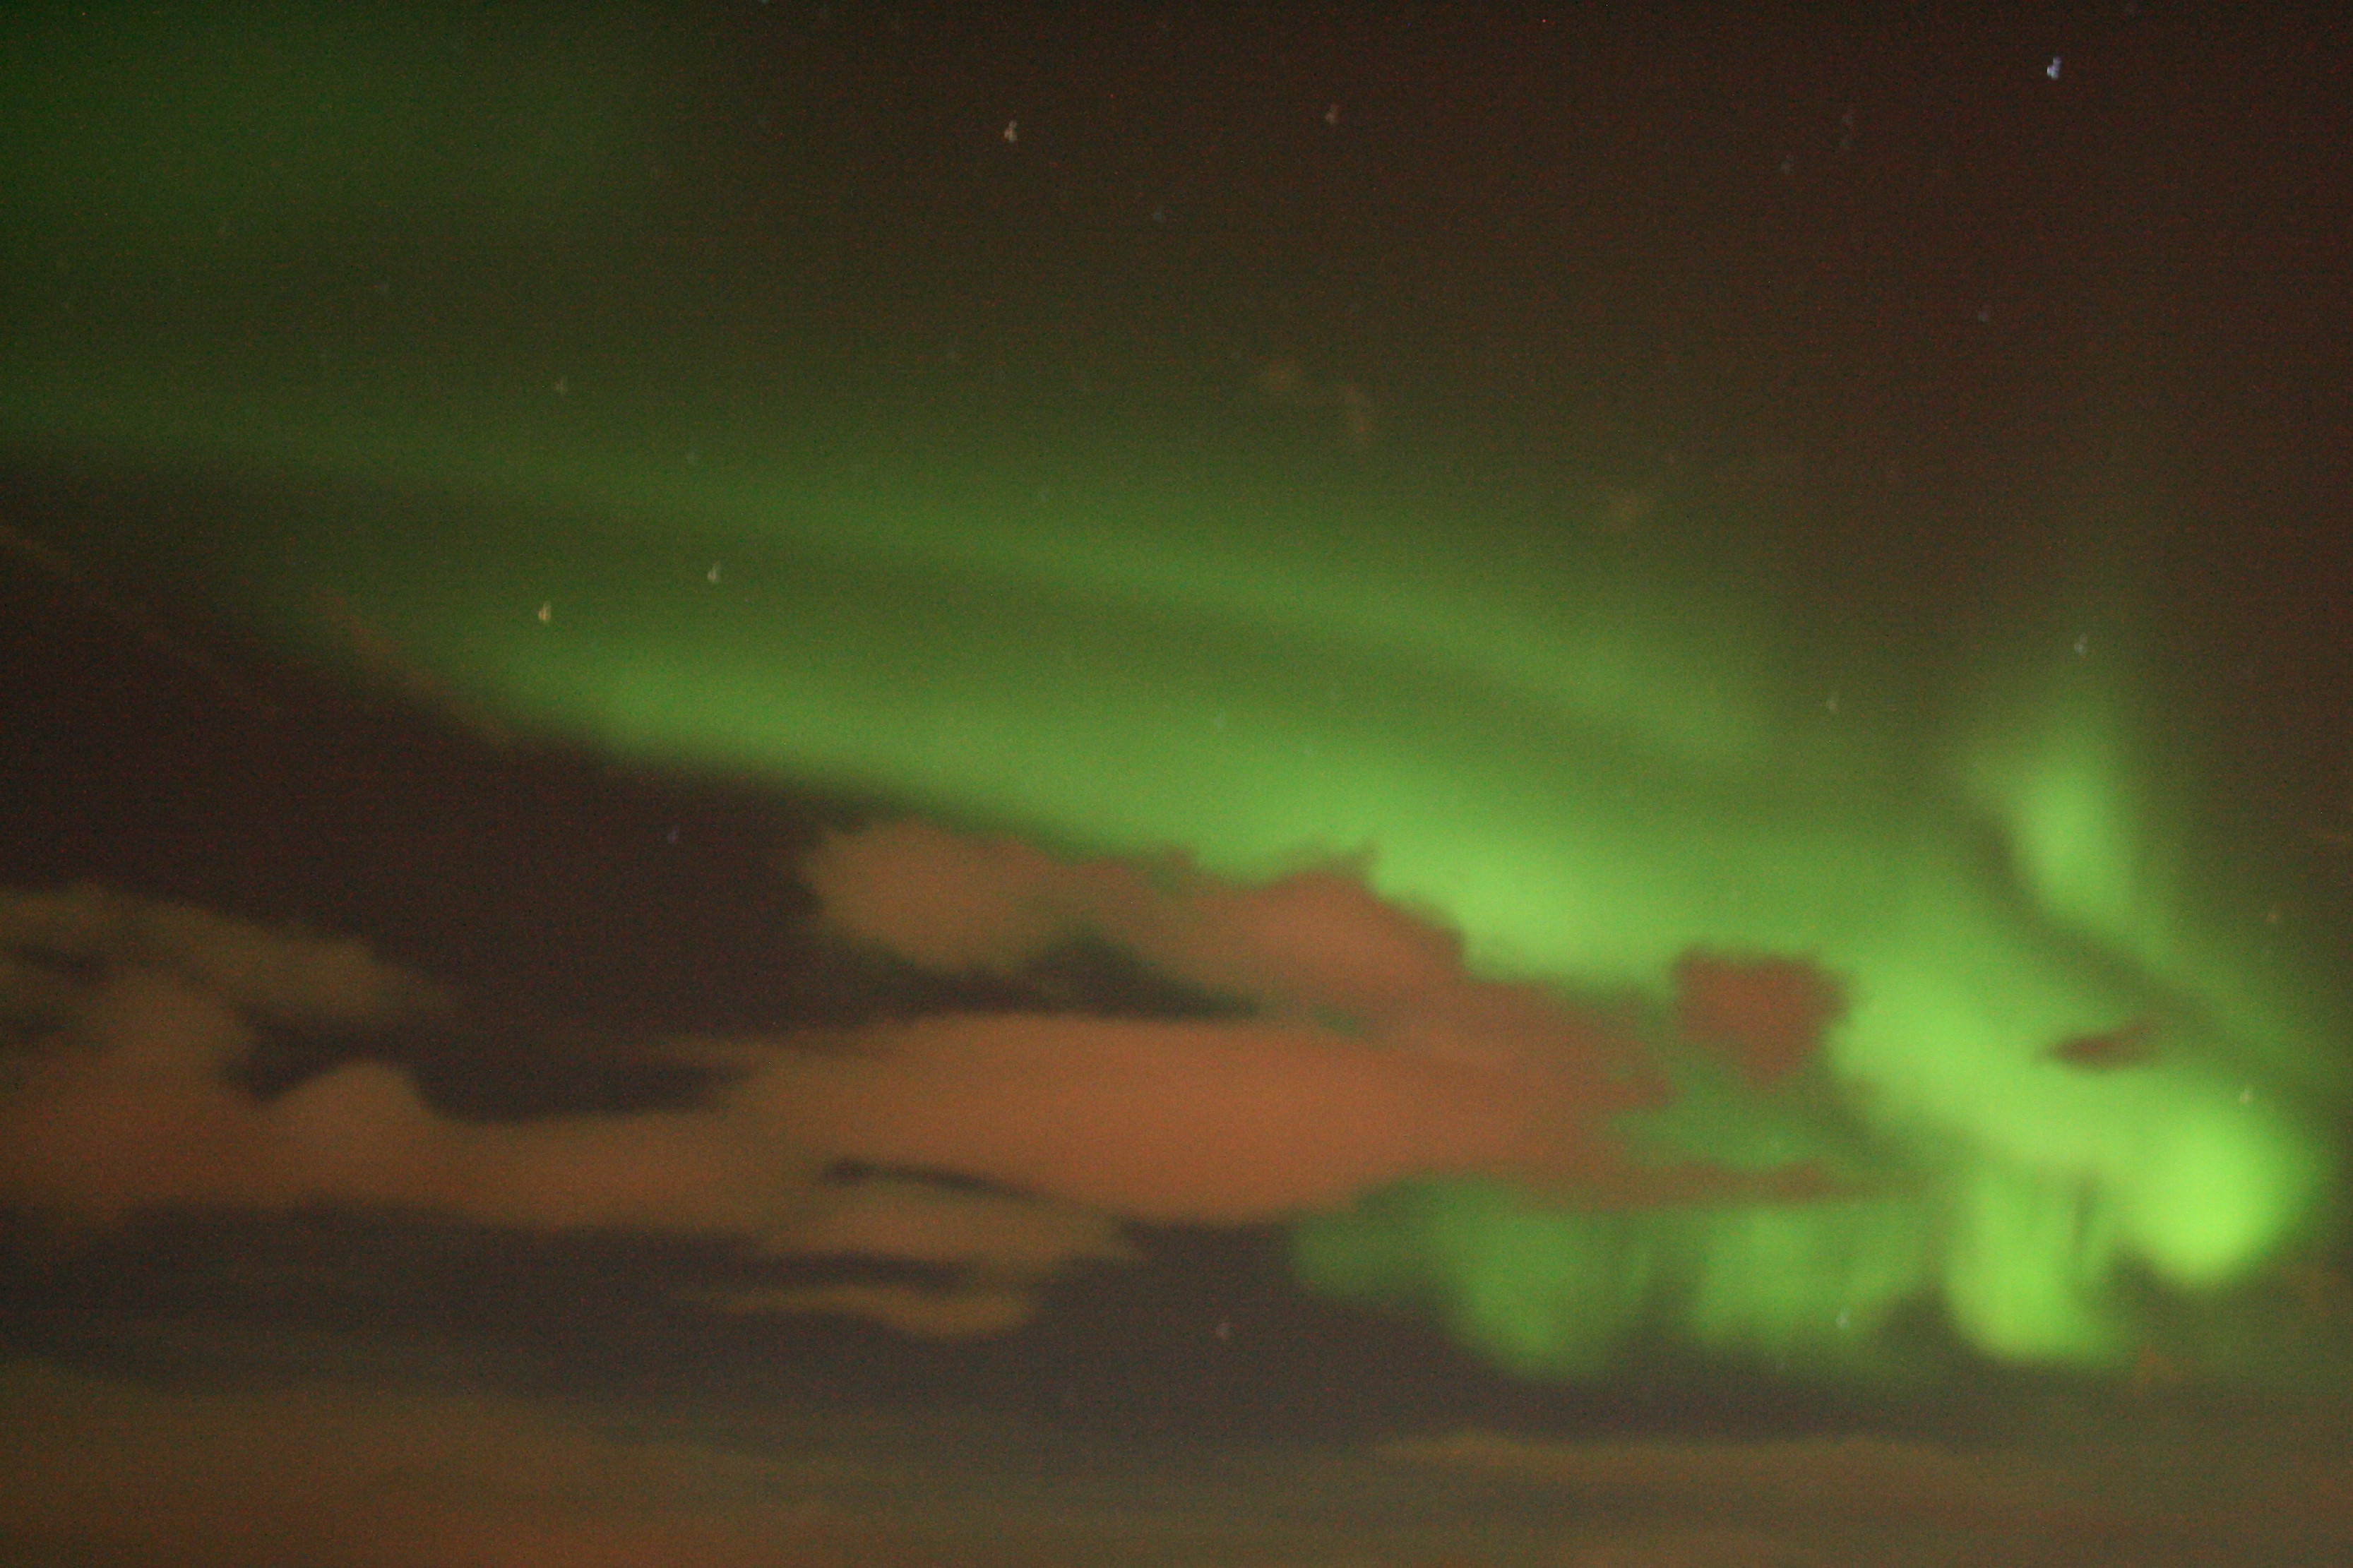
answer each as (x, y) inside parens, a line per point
(1960, 298)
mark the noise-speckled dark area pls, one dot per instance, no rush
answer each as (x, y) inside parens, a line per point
(390, 1163)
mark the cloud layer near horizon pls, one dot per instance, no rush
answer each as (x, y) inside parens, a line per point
(333, 1473)
(1370, 1054)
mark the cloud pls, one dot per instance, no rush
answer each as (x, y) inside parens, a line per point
(998, 1246)
(967, 1311)
(286, 975)
(1212, 1123)
(1372, 1056)
(133, 1112)
(1316, 944)
(1377, 1054)
(1768, 1015)
(922, 1222)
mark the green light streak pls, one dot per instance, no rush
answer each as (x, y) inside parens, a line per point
(1260, 700)
(1588, 760)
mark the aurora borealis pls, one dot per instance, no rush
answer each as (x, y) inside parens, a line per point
(1167, 700)
(1831, 920)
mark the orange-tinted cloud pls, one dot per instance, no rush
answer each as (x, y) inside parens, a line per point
(1218, 1123)
(1378, 1054)
(1318, 945)
(1374, 1055)
(288, 975)
(136, 1114)
(922, 1222)
(998, 1246)
(1769, 1015)
(961, 1312)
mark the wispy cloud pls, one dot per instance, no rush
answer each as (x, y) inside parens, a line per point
(1369, 1054)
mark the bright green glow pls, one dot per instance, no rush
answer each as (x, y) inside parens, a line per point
(1589, 759)
(1133, 679)
(2026, 1252)
(1546, 1291)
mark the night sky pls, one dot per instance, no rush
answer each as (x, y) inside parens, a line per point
(614, 947)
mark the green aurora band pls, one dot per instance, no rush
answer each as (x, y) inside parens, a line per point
(1587, 767)
(1263, 699)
